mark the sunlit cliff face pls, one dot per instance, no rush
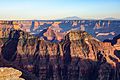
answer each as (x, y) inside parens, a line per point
(76, 35)
(42, 48)
(56, 24)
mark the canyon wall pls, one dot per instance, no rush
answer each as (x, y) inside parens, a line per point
(78, 57)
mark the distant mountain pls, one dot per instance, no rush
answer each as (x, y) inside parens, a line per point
(111, 18)
(71, 18)
(78, 18)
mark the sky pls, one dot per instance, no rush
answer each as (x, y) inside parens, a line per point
(57, 9)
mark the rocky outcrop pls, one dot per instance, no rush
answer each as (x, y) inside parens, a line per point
(78, 57)
(10, 74)
(117, 45)
(53, 35)
(49, 34)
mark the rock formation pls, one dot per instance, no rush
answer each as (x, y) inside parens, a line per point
(78, 57)
(10, 74)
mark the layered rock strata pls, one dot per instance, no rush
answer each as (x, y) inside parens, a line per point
(78, 57)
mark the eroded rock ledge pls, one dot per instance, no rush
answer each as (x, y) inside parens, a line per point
(10, 74)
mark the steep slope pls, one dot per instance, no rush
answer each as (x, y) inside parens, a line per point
(7, 47)
(78, 57)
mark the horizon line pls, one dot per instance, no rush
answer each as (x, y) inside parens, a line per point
(105, 18)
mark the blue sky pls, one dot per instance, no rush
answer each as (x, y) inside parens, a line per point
(55, 9)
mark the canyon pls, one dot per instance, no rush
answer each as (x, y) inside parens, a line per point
(78, 56)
